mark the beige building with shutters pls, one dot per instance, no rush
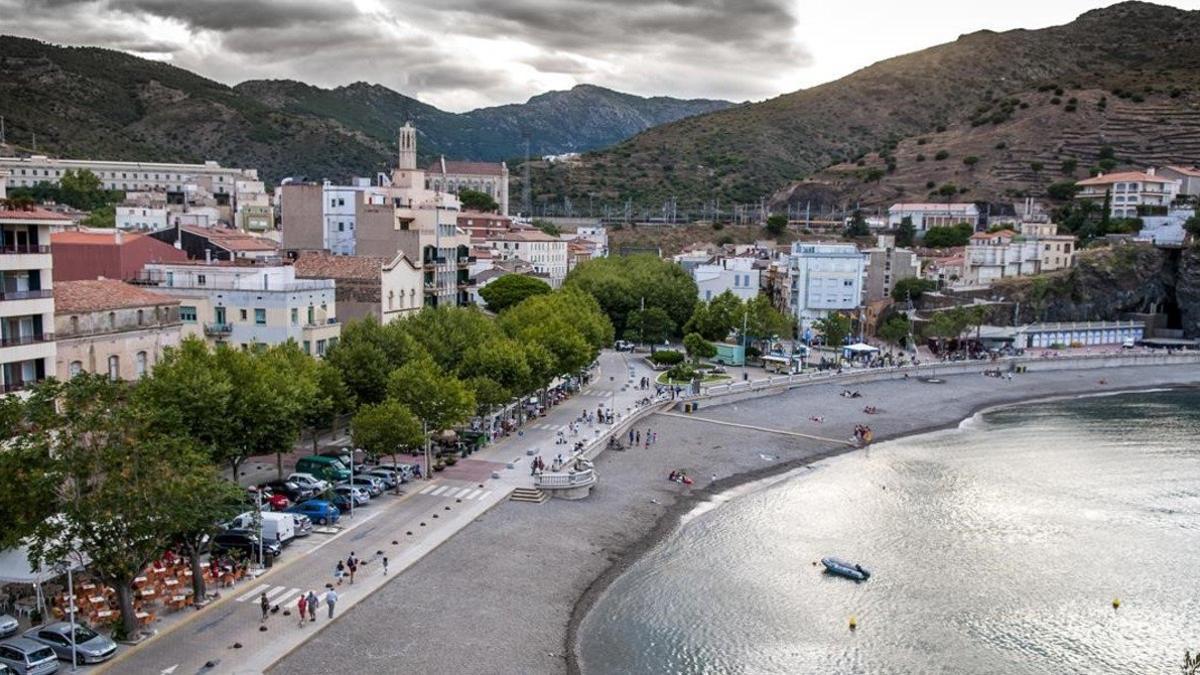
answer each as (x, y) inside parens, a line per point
(111, 327)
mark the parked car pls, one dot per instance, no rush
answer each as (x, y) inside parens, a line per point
(27, 657)
(246, 543)
(345, 456)
(90, 646)
(302, 524)
(280, 527)
(290, 489)
(361, 497)
(5, 670)
(623, 346)
(309, 481)
(325, 468)
(372, 484)
(391, 478)
(8, 626)
(319, 511)
(271, 501)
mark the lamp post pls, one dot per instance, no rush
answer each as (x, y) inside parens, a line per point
(71, 608)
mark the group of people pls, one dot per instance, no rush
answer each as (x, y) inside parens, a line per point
(678, 476)
(635, 437)
(347, 568)
(862, 434)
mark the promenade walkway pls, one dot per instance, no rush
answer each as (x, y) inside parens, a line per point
(404, 529)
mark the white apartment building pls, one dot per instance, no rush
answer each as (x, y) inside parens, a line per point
(144, 214)
(253, 210)
(927, 215)
(1037, 249)
(597, 234)
(546, 253)
(737, 275)
(244, 304)
(824, 278)
(27, 349)
(129, 176)
(1128, 190)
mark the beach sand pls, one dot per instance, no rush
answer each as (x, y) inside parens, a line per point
(507, 593)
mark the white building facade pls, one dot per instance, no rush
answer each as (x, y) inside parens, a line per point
(824, 278)
(1128, 190)
(246, 304)
(927, 215)
(736, 275)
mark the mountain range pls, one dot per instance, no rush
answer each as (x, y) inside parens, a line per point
(999, 115)
(93, 102)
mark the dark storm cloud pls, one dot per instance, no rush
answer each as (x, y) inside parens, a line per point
(453, 52)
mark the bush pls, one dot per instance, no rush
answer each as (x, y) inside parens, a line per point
(1001, 145)
(1064, 191)
(1069, 166)
(970, 160)
(682, 372)
(667, 357)
(920, 158)
(941, 154)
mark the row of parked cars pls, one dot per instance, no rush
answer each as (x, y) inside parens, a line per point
(39, 650)
(322, 487)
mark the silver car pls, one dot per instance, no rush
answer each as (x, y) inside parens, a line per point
(8, 626)
(27, 657)
(90, 646)
(389, 477)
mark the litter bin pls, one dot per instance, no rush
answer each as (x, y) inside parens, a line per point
(745, 376)
(687, 407)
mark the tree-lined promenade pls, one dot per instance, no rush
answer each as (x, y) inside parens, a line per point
(112, 474)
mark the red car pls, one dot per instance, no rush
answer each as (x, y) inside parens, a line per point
(271, 500)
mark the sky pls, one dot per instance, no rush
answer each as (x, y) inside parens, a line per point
(464, 54)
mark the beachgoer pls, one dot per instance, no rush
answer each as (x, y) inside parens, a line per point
(301, 606)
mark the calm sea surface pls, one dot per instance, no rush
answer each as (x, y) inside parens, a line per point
(996, 548)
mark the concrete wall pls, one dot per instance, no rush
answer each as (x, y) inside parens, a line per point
(301, 219)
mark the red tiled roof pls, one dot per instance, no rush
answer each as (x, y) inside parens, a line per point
(460, 167)
(316, 265)
(33, 213)
(72, 297)
(1186, 170)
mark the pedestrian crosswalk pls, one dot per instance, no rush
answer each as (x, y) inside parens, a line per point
(548, 427)
(453, 492)
(282, 596)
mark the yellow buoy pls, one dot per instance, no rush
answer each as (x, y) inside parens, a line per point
(1116, 603)
(853, 623)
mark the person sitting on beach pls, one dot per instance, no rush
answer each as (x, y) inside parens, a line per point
(817, 418)
(672, 476)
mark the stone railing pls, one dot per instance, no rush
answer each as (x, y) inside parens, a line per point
(548, 480)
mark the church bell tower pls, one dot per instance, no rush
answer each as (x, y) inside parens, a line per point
(408, 148)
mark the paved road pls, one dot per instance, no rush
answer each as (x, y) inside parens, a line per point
(403, 528)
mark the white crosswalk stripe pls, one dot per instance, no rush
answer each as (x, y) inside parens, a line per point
(254, 593)
(439, 490)
(286, 599)
(454, 492)
(428, 489)
(271, 594)
(474, 494)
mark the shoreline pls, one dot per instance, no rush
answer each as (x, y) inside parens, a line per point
(510, 591)
(672, 519)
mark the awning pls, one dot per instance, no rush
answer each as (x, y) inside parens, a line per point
(15, 568)
(860, 348)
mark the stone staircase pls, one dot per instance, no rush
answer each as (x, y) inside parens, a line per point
(530, 495)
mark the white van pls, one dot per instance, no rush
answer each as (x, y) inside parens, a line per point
(279, 527)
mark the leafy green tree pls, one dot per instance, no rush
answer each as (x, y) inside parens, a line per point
(946, 236)
(510, 290)
(667, 357)
(948, 190)
(651, 325)
(330, 401)
(835, 328)
(717, 318)
(698, 348)
(363, 367)
(474, 200)
(1062, 191)
(106, 482)
(568, 324)
(620, 284)
(776, 225)
(858, 225)
(906, 232)
(202, 503)
(502, 361)
(912, 287)
(895, 330)
(1192, 225)
(438, 400)
(446, 332)
(763, 321)
(386, 428)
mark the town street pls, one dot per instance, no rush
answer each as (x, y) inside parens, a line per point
(403, 529)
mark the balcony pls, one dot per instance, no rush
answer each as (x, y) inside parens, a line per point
(19, 249)
(26, 295)
(218, 329)
(9, 387)
(21, 340)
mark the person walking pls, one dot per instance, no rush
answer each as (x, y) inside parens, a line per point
(639, 438)
(301, 607)
(385, 565)
(339, 571)
(266, 606)
(353, 567)
(331, 600)
(313, 603)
